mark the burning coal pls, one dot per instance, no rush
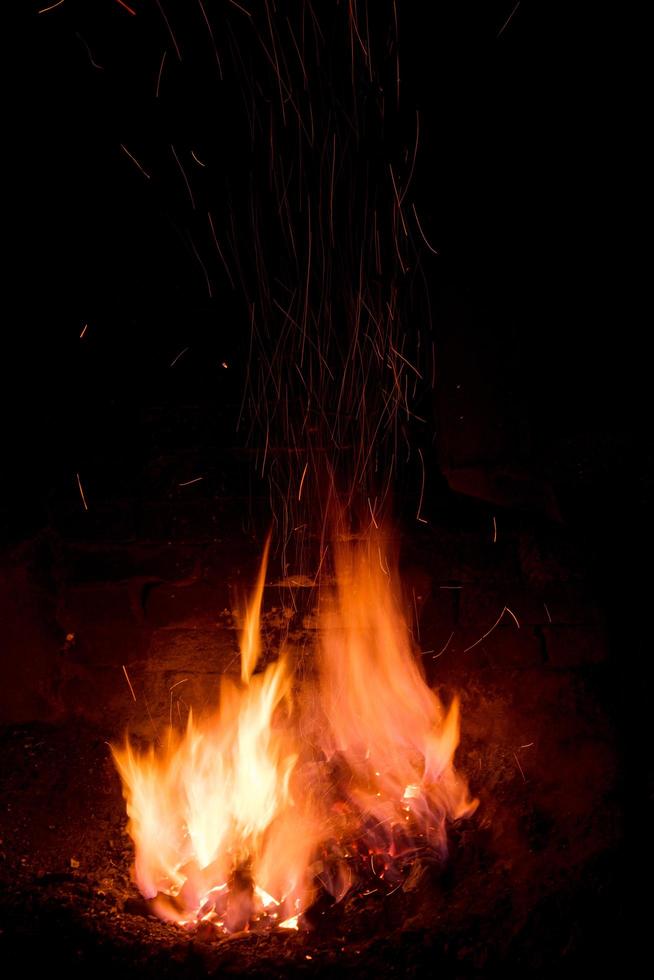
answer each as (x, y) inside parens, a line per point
(291, 790)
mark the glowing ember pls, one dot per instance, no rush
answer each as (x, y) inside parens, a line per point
(238, 820)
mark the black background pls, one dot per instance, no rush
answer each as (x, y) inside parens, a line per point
(516, 177)
(520, 175)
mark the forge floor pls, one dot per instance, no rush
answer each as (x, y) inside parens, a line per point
(532, 882)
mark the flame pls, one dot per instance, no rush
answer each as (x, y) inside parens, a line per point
(211, 812)
(384, 722)
(237, 820)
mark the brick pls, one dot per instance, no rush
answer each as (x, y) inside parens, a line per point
(182, 671)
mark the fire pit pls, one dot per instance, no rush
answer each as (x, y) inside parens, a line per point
(301, 342)
(259, 814)
(523, 880)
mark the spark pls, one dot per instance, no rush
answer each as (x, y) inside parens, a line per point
(413, 161)
(549, 618)
(304, 473)
(385, 569)
(197, 160)
(189, 482)
(403, 358)
(276, 63)
(524, 778)
(129, 681)
(308, 279)
(494, 530)
(188, 186)
(496, 623)
(220, 253)
(163, 58)
(353, 21)
(372, 514)
(213, 40)
(290, 31)
(242, 9)
(202, 266)
(88, 51)
(265, 451)
(527, 746)
(45, 10)
(513, 615)
(415, 605)
(422, 489)
(398, 200)
(171, 689)
(449, 640)
(128, 9)
(322, 558)
(175, 359)
(507, 21)
(81, 492)
(84, 329)
(170, 30)
(424, 237)
(134, 160)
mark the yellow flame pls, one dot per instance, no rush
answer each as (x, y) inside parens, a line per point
(227, 825)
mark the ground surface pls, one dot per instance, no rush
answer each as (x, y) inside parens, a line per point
(532, 883)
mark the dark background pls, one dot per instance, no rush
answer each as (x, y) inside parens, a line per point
(514, 178)
(521, 192)
(517, 184)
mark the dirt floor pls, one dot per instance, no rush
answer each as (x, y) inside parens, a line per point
(531, 883)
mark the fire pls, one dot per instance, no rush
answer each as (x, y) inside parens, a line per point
(389, 727)
(240, 819)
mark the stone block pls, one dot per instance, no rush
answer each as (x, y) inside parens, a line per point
(182, 672)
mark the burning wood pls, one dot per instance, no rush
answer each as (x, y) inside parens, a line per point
(253, 813)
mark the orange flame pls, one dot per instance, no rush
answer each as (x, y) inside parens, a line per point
(385, 722)
(230, 827)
